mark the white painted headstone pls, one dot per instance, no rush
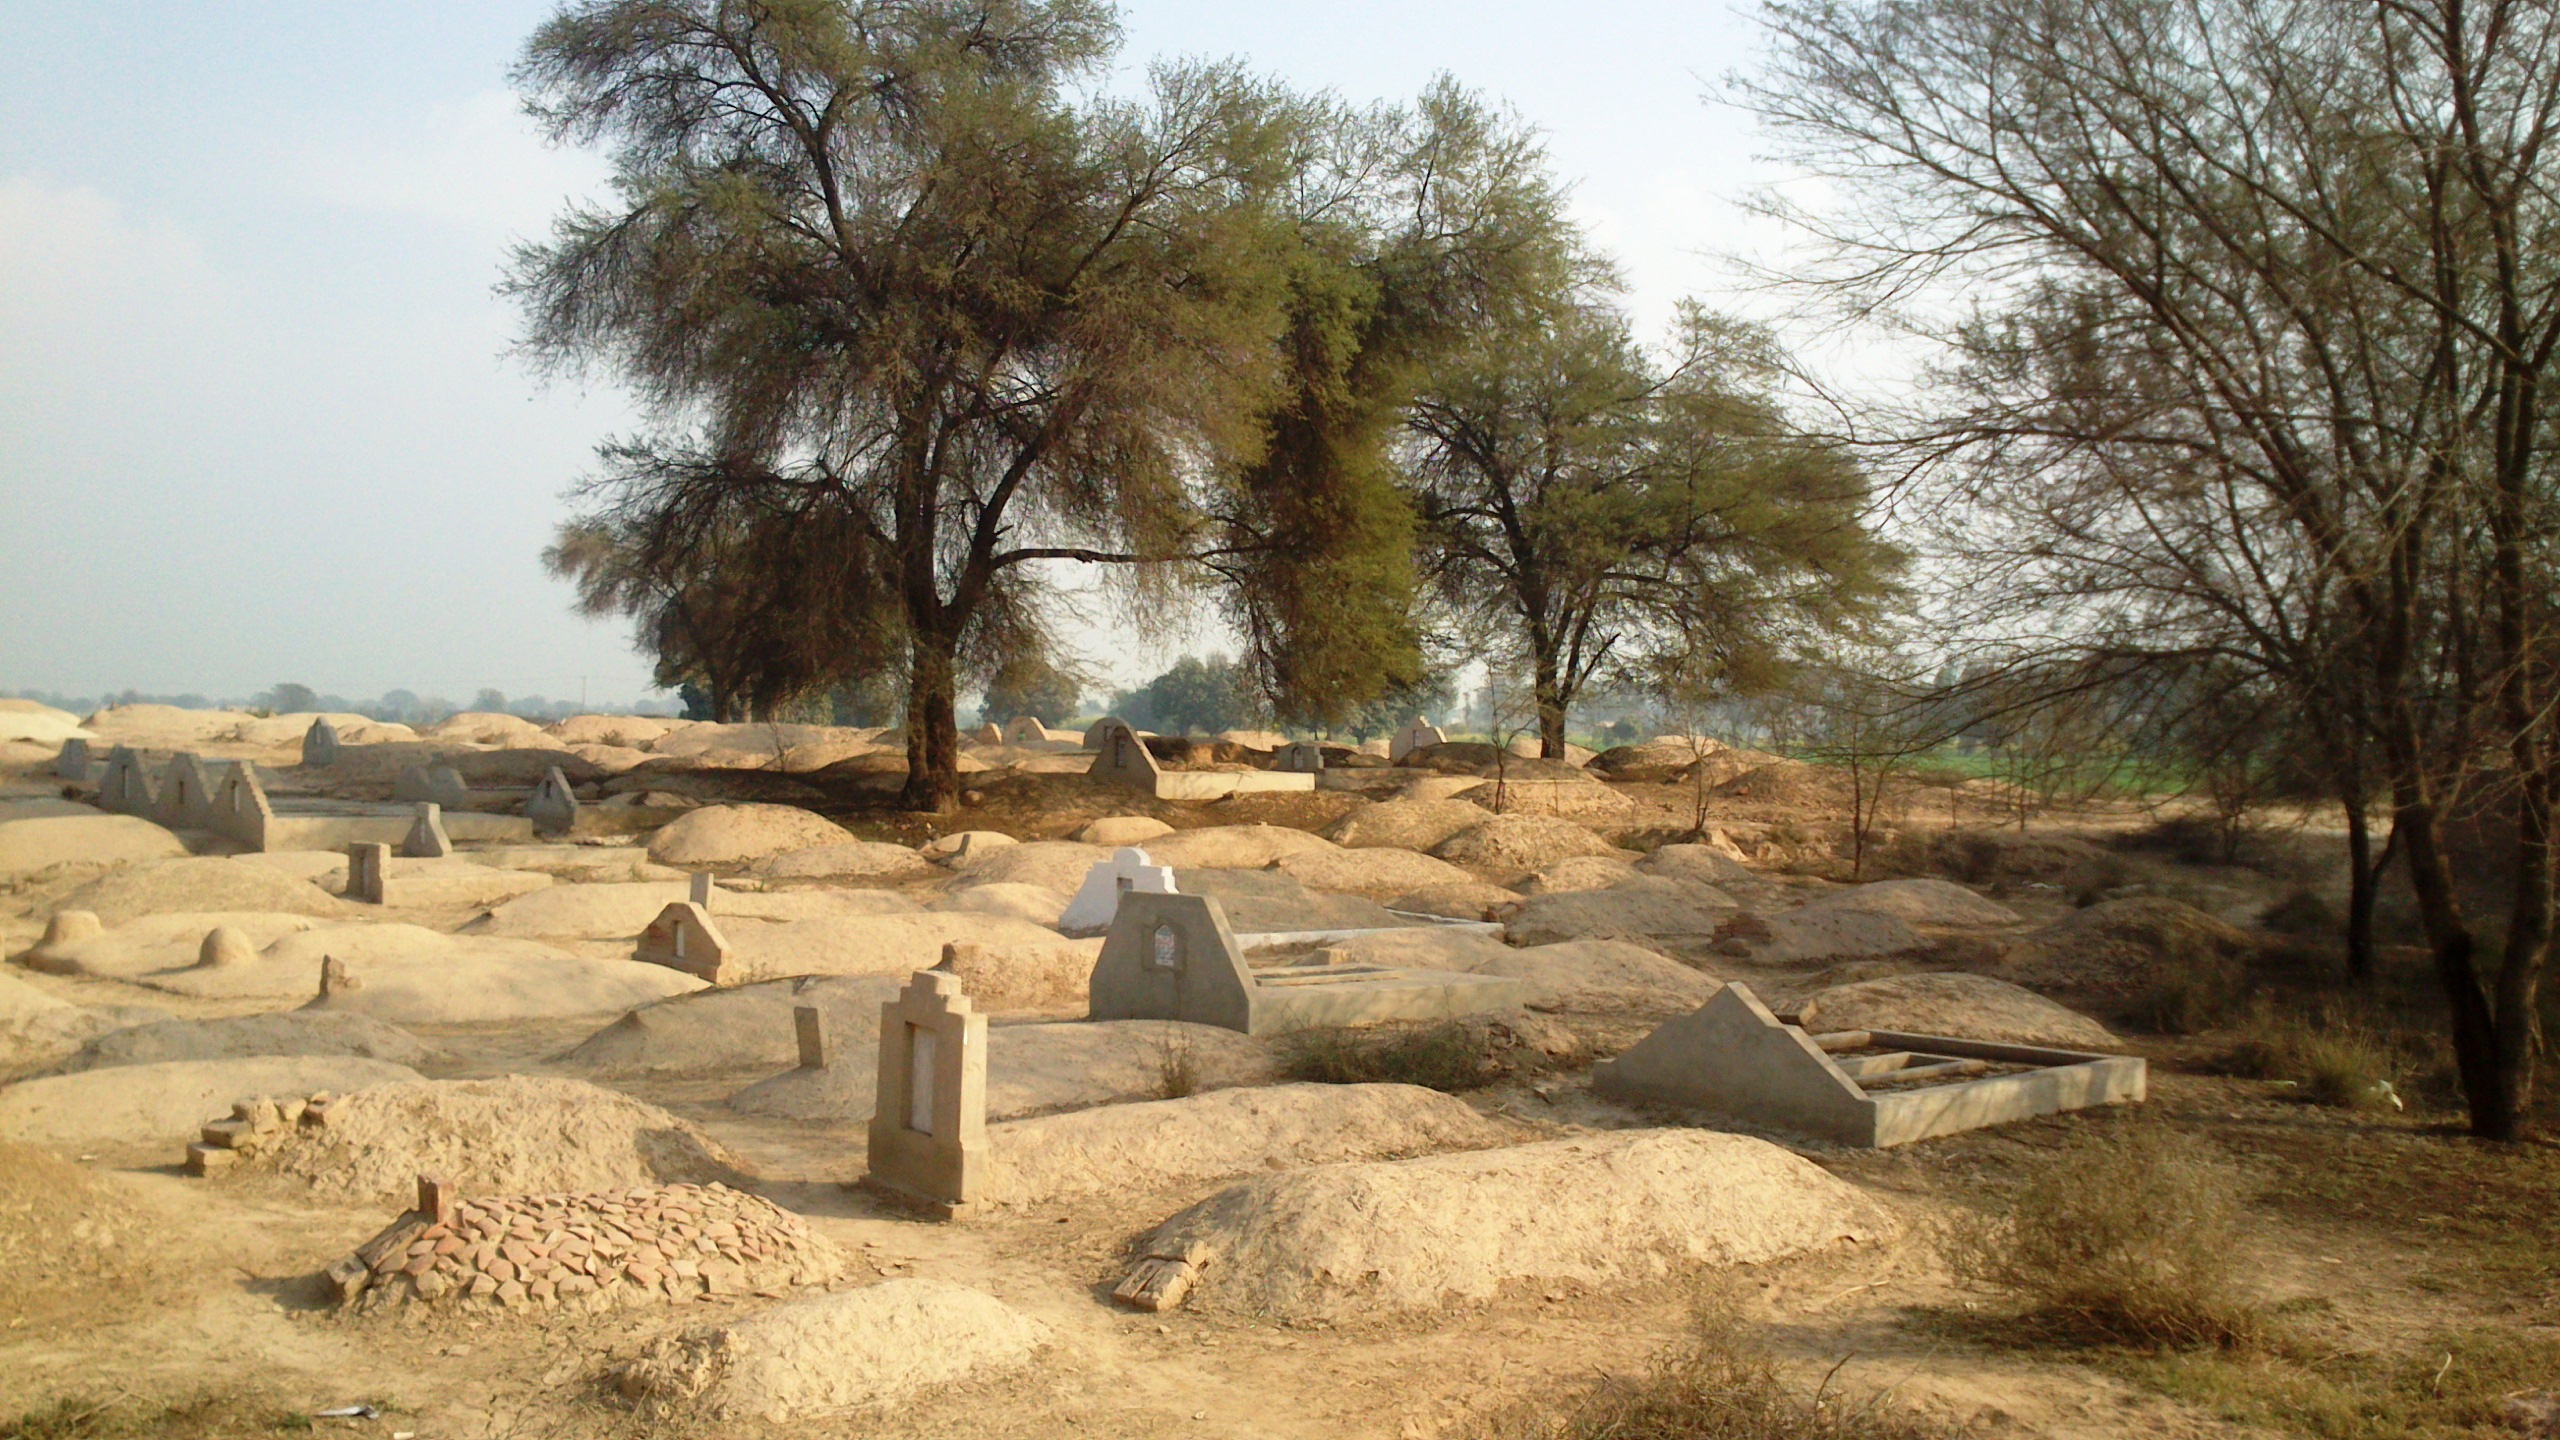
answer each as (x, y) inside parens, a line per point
(1414, 737)
(1098, 899)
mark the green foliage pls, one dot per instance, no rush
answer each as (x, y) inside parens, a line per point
(1722, 1384)
(2125, 1237)
(122, 1417)
(2445, 1387)
(1033, 685)
(2331, 1057)
(1196, 696)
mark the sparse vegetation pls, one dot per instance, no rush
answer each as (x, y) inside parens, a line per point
(1445, 1055)
(2453, 1384)
(2130, 1237)
(2333, 1058)
(1177, 1069)
(1721, 1384)
(122, 1417)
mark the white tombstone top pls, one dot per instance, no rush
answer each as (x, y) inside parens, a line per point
(1097, 900)
(1413, 737)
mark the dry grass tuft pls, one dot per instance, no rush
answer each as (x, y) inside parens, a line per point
(2333, 1058)
(122, 1417)
(2128, 1237)
(1448, 1055)
(1722, 1384)
(1177, 1068)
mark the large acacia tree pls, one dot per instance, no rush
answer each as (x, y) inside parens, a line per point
(873, 264)
(1611, 516)
(2251, 308)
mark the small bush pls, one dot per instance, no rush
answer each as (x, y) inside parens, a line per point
(1722, 1384)
(2334, 1059)
(1177, 1069)
(2186, 996)
(2128, 1237)
(1449, 1055)
(2301, 913)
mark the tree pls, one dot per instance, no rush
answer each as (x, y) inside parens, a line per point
(291, 699)
(1196, 696)
(1601, 514)
(1036, 686)
(874, 262)
(490, 701)
(2258, 304)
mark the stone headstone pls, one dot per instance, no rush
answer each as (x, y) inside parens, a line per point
(436, 1195)
(1129, 870)
(1122, 756)
(336, 978)
(440, 783)
(125, 789)
(699, 889)
(426, 839)
(186, 796)
(1300, 757)
(684, 938)
(929, 1122)
(320, 743)
(240, 808)
(990, 733)
(553, 806)
(1026, 730)
(1414, 736)
(809, 1025)
(1172, 957)
(73, 762)
(367, 860)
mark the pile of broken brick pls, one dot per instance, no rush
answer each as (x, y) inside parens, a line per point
(648, 1244)
(254, 1125)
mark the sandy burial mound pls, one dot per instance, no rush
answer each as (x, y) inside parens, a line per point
(158, 942)
(1520, 844)
(69, 1242)
(166, 1103)
(409, 975)
(1046, 961)
(735, 834)
(36, 1029)
(1921, 902)
(1154, 1145)
(198, 883)
(517, 1134)
(1640, 908)
(1379, 873)
(826, 1354)
(737, 1029)
(1814, 936)
(1597, 1210)
(1113, 831)
(1972, 1007)
(1579, 872)
(623, 1246)
(622, 911)
(294, 1032)
(1234, 847)
(1703, 863)
(1049, 864)
(865, 859)
(1405, 824)
(1589, 977)
(1035, 1069)
(2122, 948)
(45, 841)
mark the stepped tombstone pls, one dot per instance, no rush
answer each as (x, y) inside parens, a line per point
(426, 839)
(929, 1123)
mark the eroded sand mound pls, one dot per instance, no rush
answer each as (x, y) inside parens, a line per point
(1152, 1145)
(1233, 847)
(735, 834)
(1642, 907)
(197, 883)
(622, 911)
(1703, 863)
(1971, 1007)
(158, 942)
(902, 944)
(1587, 977)
(409, 975)
(518, 1134)
(166, 1103)
(1032, 1069)
(1034, 903)
(1921, 902)
(2124, 947)
(1579, 872)
(1378, 872)
(828, 1354)
(1472, 900)
(1405, 824)
(294, 1032)
(1519, 844)
(738, 1029)
(1049, 864)
(639, 732)
(1817, 936)
(631, 1246)
(68, 1241)
(1113, 831)
(1599, 1210)
(37, 1029)
(44, 841)
(868, 859)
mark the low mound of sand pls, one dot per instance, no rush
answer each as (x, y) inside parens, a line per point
(1158, 1144)
(622, 911)
(900, 945)
(828, 1354)
(1035, 903)
(1663, 757)
(1922, 902)
(71, 1244)
(1815, 936)
(27, 722)
(167, 1103)
(158, 942)
(1405, 824)
(294, 1032)
(1049, 864)
(1643, 907)
(448, 883)
(1261, 902)
(515, 1135)
(1703, 863)
(735, 834)
(2122, 948)
(1233, 847)
(197, 883)
(163, 727)
(1581, 977)
(1579, 872)
(1378, 872)
(1032, 1069)
(867, 859)
(1970, 1007)
(733, 1030)
(1113, 831)
(581, 864)
(639, 732)
(1597, 1210)
(43, 842)
(487, 727)
(37, 1030)
(468, 981)
(646, 1244)
(1520, 844)
(1470, 900)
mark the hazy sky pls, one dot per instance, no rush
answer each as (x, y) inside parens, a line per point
(258, 421)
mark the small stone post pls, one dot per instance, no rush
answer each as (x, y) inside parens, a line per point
(810, 1023)
(366, 862)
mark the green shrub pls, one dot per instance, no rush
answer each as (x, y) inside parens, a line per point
(2332, 1058)
(2129, 1236)
(1721, 1384)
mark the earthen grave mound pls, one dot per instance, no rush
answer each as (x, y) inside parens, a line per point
(1971, 1007)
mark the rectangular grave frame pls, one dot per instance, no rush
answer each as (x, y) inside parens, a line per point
(1733, 1056)
(1203, 977)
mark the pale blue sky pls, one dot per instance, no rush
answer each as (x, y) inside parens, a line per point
(257, 419)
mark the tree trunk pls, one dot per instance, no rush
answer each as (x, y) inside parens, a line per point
(933, 731)
(2364, 881)
(2476, 1052)
(2529, 924)
(1551, 703)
